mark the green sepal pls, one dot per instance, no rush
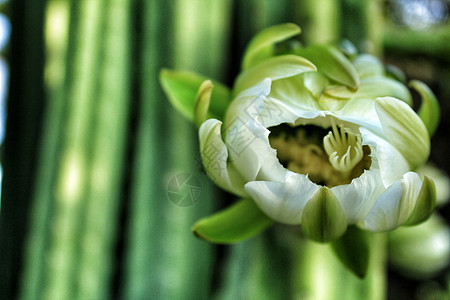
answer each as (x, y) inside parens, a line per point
(202, 102)
(275, 68)
(429, 110)
(181, 88)
(372, 88)
(353, 250)
(348, 48)
(323, 219)
(261, 46)
(332, 63)
(368, 66)
(425, 204)
(236, 223)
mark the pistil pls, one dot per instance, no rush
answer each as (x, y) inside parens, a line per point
(344, 148)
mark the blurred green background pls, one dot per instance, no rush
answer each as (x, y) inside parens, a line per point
(92, 144)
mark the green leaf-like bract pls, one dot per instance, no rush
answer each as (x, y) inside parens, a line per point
(234, 224)
(429, 110)
(202, 102)
(323, 219)
(181, 88)
(425, 203)
(353, 250)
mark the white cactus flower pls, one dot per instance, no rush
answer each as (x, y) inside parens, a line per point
(293, 131)
(310, 137)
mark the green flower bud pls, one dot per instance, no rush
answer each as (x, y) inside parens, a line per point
(421, 251)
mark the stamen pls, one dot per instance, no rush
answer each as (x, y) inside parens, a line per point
(344, 148)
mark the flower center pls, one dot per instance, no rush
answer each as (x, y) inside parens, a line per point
(344, 148)
(329, 157)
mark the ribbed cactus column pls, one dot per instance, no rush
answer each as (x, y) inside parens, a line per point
(56, 36)
(148, 199)
(321, 276)
(22, 78)
(163, 258)
(258, 269)
(362, 24)
(109, 142)
(319, 19)
(75, 157)
(75, 213)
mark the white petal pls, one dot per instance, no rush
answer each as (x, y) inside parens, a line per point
(395, 205)
(261, 88)
(271, 169)
(361, 112)
(358, 197)
(215, 156)
(283, 201)
(249, 103)
(276, 112)
(386, 157)
(248, 145)
(246, 136)
(361, 108)
(374, 87)
(293, 92)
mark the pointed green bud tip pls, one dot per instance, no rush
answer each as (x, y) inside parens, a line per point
(348, 48)
(332, 63)
(202, 102)
(429, 110)
(425, 203)
(396, 73)
(323, 219)
(262, 45)
(238, 222)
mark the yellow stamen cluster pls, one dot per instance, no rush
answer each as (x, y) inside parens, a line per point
(330, 161)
